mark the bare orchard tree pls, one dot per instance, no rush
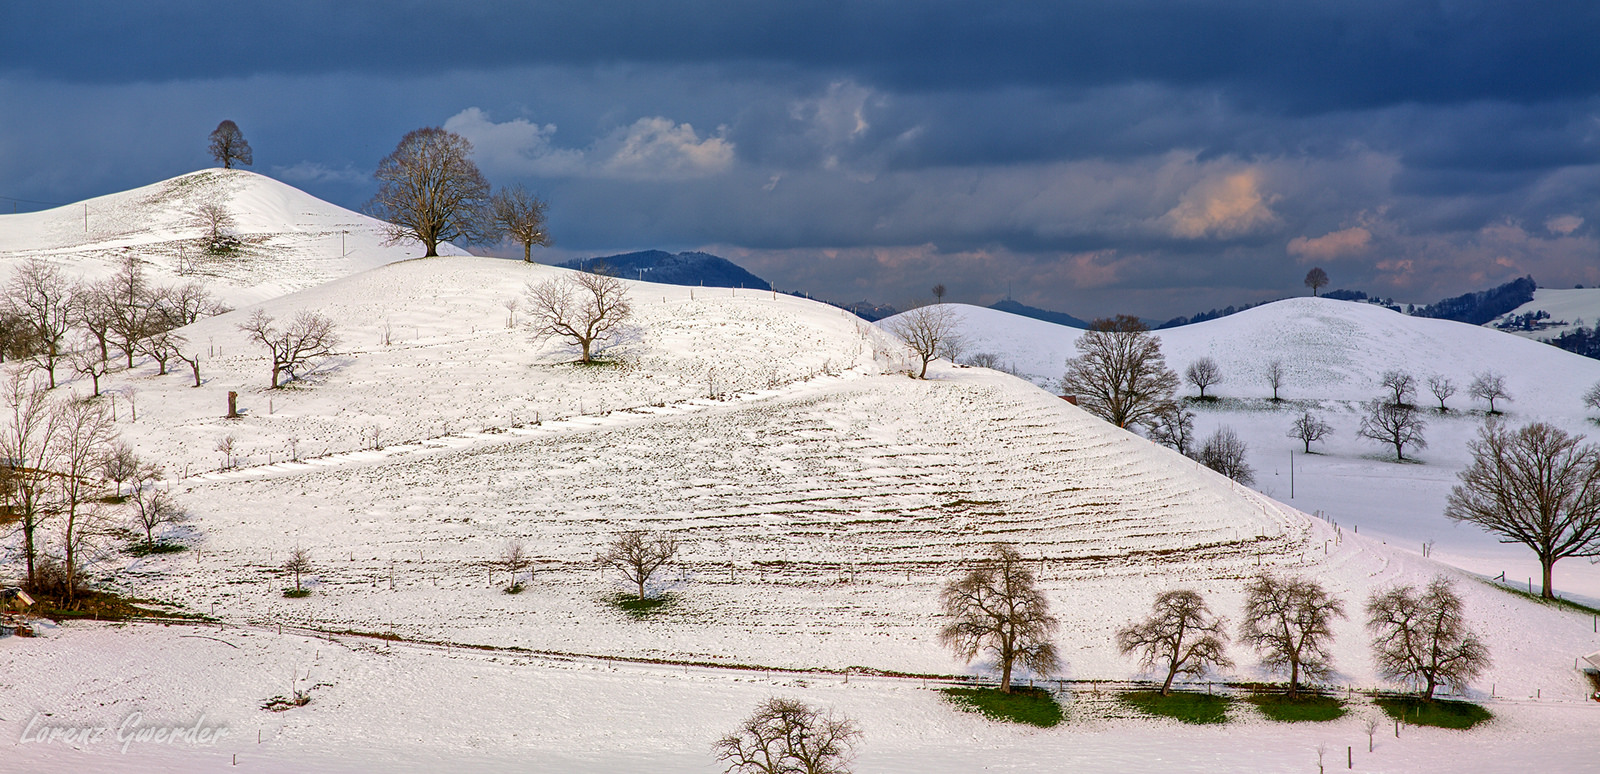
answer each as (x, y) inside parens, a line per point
(216, 224)
(299, 563)
(134, 307)
(1276, 376)
(86, 361)
(181, 305)
(930, 331)
(85, 434)
(1120, 374)
(310, 336)
(1315, 279)
(520, 215)
(1225, 453)
(513, 559)
(1442, 388)
(1489, 387)
(228, 145)
(29, 437)
(1203, 373)
(786, 736)
(1289, 621)
(430, 191)
(121, 465)
(1401, 386)
(41, 296)
(1174, 428)
(1537, 486)
(587, 309)
(638, 555)
(193, 361)
(1394, 425)
(1308, 427)
(1181, 636)
(996, 607)
(153, 508)
(162, 347)
(1591, 398)
(92, 312)
(1422, 638)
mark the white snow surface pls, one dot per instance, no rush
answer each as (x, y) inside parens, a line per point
(291, 240)
(822, 498)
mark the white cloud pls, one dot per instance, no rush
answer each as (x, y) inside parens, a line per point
(655, 148)
(518, 146)
(652, 148)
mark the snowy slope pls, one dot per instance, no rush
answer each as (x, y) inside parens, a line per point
(292, 240)
(1335, 352)
(822, 499)
(1572, 306)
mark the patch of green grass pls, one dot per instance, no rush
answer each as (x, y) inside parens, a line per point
(640, 609)
(146, 549)
(1534, 595)
(1438, 713)
(301, 593)
(1033, 706)
(515, 588)
(1308, 707)
(1196, 708)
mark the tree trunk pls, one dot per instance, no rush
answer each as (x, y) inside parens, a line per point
(641, 589)
(1294, 678)
(1172, 671)
(275, 369)
(586, 343)
(1005, 675)
(433, 247)
(527, 252)
(196, 367)
(1431, 685)
(1549, 566)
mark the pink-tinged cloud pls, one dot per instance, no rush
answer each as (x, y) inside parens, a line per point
(1563, 224)
(1350, 241)
(1227, 206)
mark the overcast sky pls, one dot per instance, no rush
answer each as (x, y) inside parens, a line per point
(1155, 158)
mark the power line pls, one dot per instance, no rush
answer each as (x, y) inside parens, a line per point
(33, 201)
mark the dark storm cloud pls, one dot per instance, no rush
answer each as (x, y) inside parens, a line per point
(1151, 157)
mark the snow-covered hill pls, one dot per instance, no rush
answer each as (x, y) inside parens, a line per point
(1571, 306)
(290, 240)
(1335, 352)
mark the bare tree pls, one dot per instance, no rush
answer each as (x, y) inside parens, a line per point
(1489, 386)
(309, 337)
(1309, 428)
(299, 563)
(786, 736)
(1225, 453)
(193, 361)
(1203, 373)
(214, 219)
(92, 311)
(228, 145)
(996, 607)
(120, 466)
(1181, 636)
(513, 559)
(1538, 486)
(1120, 374)
(1173, 427)
(41, 296)
(1276, 376)
(511, 304)
(1289, 622)
(638, 555)
(1402, 387)
(520, 215)
(86, 361)
(930, 331)
(938, 293)
(1442, 388)
(1423, 637)
(1591, 398)
(85, 434)
(430, 191)
(1316, 278)
(154, 507)
(587, 309)
(1394, 425)
(162, 347)
(29, 439)
(184, 304)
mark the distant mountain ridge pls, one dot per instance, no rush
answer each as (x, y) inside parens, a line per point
(1018, 308)
(686, 268)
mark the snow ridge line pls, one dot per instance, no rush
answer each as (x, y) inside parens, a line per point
(543, 428)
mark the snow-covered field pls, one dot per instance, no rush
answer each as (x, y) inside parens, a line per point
(1573, 306)
(1335, 352)
(822, 498)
